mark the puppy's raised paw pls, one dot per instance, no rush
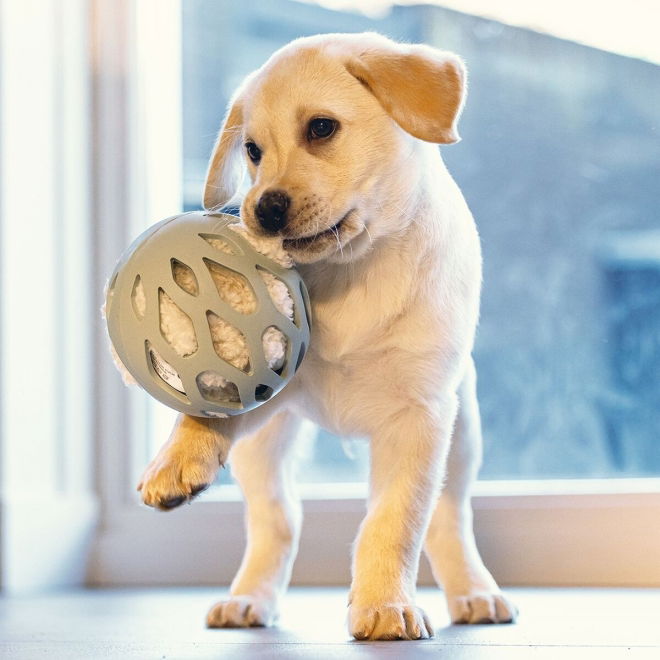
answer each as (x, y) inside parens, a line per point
(242, 612)
(389, 621)
(481, 607)
(173, 478)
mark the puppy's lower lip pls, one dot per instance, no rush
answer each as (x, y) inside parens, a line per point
(303, 241)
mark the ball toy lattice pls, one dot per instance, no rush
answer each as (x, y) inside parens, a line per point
(208, 319)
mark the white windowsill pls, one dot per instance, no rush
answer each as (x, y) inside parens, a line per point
(508, 488)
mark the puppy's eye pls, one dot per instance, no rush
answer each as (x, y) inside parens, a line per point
(253, 152)
(321, 128)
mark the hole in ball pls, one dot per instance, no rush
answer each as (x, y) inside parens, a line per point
(263, 392)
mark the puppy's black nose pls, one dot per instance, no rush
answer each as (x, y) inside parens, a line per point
(271, 210)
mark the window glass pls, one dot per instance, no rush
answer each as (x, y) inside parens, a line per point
(560, 163)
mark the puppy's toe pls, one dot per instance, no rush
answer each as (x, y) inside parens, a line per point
(172, 502)
(389, 621)
(196, 490)
(482, 607)
(172, 479)
(242, 612)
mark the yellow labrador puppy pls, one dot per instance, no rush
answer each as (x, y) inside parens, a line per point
(339, 133)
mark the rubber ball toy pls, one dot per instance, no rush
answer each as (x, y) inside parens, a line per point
(209, 319)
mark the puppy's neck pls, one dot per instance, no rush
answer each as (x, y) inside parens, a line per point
(403, 272)
(409, 222)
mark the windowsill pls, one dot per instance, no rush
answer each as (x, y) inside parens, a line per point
(597, 532)
(483, 489)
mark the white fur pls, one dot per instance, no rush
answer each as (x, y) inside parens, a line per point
(395, 295)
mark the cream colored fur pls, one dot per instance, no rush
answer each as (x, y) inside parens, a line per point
(395, 297)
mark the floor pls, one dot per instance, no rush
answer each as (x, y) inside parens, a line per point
(168, 623)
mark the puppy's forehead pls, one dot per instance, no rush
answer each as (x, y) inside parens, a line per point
(295, 83)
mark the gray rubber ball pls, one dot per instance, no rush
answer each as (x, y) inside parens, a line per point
(202, 320)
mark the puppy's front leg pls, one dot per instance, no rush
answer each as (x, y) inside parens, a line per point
(407, 457)
(264, 466)
(188, 462)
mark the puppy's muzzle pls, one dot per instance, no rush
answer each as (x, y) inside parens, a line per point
(272, 210)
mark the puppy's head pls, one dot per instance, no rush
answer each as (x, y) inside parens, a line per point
(329, 129)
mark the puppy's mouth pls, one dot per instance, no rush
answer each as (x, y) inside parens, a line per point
(311, 242)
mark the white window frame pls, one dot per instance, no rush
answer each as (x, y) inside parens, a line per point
(48, 504)
(586, 532)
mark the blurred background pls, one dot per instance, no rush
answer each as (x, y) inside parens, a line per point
(560, 163)
(109, 110)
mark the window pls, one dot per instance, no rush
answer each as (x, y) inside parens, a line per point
(568, 342)
(559, 162)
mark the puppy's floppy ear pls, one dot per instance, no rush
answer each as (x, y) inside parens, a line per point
(225, 171)
(421, 88)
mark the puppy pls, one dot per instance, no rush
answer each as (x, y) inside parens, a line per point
(339, 133)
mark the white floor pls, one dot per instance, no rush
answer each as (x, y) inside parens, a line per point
(555, 624)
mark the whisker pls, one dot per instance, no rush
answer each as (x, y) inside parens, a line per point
(335, 231)
(371, 240)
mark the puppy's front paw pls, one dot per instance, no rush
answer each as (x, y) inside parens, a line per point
(173, 478)
(389, 621)
(481, 607)
(242, 612)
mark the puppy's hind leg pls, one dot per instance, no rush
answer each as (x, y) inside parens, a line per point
(263, 464)
(472, 594)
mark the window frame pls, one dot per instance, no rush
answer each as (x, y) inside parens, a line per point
(559, 532)
(46, 353)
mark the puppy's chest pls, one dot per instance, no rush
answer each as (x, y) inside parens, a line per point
(356, 315)
(333, 391)
(350, 328)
